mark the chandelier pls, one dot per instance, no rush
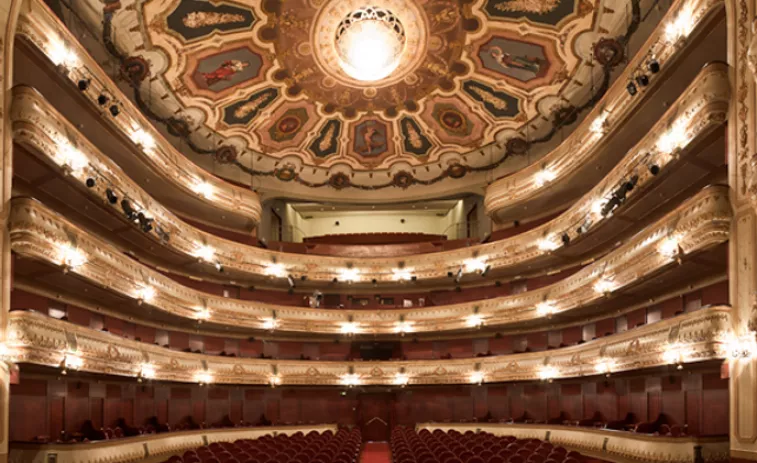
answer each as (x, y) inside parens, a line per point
(370, 43)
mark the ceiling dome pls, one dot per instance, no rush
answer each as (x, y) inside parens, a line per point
(391, 93)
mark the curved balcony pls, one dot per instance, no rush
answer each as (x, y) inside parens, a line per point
(41, 130)
(694, 337)
(701, 223)
(200, 192)
(587, 142)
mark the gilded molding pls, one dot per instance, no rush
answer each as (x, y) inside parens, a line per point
(132, 449)
(694, 337)
(701, 222)
(41, 28)
(38, 126)
(606, 444)
(583, 145)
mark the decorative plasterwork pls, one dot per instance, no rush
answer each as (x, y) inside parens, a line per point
(702, 108)
(40, 27)
(290, 166)
(606, 444)
(702, 222)
(131, 449)
(694, 337)
(584, 143)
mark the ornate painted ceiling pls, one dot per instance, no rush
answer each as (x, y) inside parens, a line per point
(255, 85)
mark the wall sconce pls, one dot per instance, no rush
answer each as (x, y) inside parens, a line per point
(349, 274)
(605, 366)
(61, 55)
(146, 371)
(350, 379)
(741, 347)
(275, 270)
(203, 378)
(681, 26)
(71, 257)
(548, 373)
(205, 252)
(145, 294)
(143, 139)
(543, 177)
(401, 379)
(604, 286)
(204, 189)
(476, 377)
(545, 308)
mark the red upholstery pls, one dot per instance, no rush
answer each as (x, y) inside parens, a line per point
(342, 447)
(409, 446)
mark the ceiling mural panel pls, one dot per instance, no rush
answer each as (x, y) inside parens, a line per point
(271, 84)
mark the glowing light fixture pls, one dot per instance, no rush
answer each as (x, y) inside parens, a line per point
(545, 308)
(143, 138)
(674, 139)
(401, 379)
(71, 257)
(475, 320)
(349, 274)
(203, 377)
(476, 377)
(741, 347)
(605, 366)
(204, 189)
(71, 158)
(350, 379)
(370, 43)
(599, 125)
(477, 264)
(274, 380)
(203, 313)
(669, 247)
(147, 371)
(548, 244)
(270, 323)
(681, 26)
(72, 361)
(404, 327)
(401, 274)
(543, 177)
(548, 373)
(597, 206)
(604, 285)
(205, 252)
(349, 328)
(61, 55)
(146, 294)
(275, 270)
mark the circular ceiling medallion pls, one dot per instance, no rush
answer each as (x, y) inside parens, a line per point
(370, 43)
(363, 45)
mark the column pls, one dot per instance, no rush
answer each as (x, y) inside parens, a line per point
(742, 161)
(9, 11)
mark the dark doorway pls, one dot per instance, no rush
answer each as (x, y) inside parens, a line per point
(374, 415)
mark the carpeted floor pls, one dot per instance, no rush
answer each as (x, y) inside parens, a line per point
(376, 452)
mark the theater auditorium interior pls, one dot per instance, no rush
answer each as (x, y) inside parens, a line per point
(378, 231)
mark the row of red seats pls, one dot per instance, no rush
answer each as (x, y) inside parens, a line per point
(409, 446)
(342, 447)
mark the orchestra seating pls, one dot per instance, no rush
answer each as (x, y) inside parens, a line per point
(342, 447)
(409, 446)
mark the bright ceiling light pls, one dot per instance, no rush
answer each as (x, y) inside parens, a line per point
(204, 189)
(147, 371)
(205, 252)
(61, 55)
(681, 26)
(545, 308)
(543, 177)
(474, 320)
(275, 270)
(349, 328)
(370, 43)
(548, 372)
(674, 138)
(143, 138)
(350, 379)
(548, 244)
(71, 257)
(477, 264)
(669, 246)
(146, 294)
(270, 323)
(349, 274)
(71, 157)
(401, 274)
(604, 286)
(203, 377)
